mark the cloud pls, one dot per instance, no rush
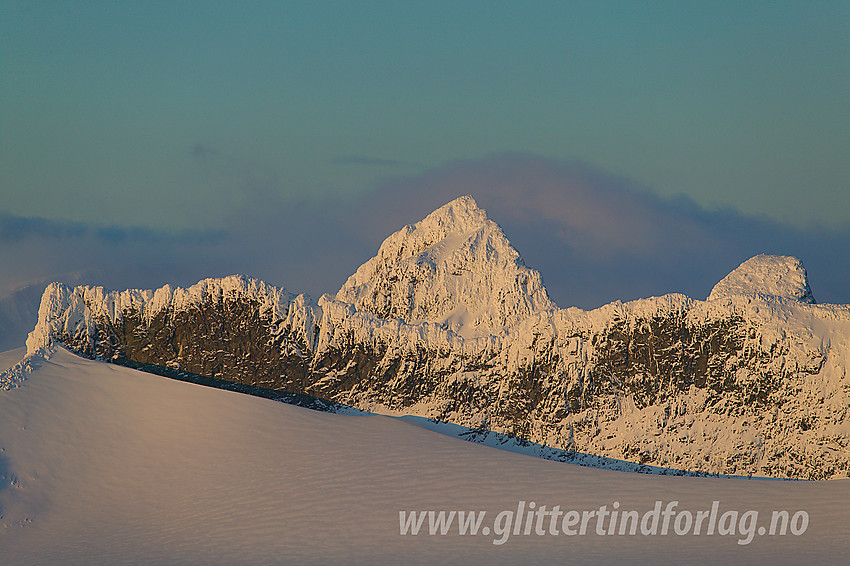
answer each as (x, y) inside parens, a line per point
(595, 237)
(375, 161)
(202, 151)
(36, 249)
(16, 228)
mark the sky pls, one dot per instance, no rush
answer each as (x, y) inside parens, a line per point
(627, 149)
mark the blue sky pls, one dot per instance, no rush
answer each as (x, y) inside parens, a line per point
(201, 117)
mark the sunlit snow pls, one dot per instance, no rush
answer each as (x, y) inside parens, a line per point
(101, 464)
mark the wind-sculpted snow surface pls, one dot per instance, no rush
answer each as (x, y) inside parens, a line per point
(446, 322)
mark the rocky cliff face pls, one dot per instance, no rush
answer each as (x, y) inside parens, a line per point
(447, 322)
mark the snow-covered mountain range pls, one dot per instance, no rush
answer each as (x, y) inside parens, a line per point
(447, 322)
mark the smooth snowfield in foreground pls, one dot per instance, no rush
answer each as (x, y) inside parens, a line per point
(101, 464)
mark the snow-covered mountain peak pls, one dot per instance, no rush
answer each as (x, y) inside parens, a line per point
(460, 215)
(455, 267)
(774, 276)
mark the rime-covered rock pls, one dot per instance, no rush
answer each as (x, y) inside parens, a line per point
(454, 268)
(770, 276)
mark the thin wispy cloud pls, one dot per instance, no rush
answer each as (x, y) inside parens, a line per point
(35, 249)
(203, 151)
(372, 161)
(16, 228)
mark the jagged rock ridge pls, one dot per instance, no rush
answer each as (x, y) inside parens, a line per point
(447, 322)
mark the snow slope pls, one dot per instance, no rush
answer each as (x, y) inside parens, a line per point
(100, 464)
(11, 357)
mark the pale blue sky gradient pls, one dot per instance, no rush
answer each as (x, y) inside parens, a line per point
(172, 114)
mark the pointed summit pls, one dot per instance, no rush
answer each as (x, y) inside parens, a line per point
(460, 215)
(775, 276)
(455, 267)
